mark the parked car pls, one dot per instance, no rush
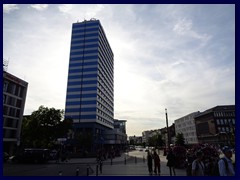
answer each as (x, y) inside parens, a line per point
(5, 156)
(33, 155)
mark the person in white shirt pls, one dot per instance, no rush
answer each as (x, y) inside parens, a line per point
(226, 169)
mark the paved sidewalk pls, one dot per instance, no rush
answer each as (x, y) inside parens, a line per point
(126, 165)
(139, 169)
(134, 168)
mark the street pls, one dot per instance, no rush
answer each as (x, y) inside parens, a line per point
(133, 158)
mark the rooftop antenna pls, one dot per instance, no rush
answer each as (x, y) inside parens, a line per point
(5, 64)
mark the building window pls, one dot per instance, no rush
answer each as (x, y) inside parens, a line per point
(19, 103)
(10, 88)
(5, 86)
(5, 110)
(4, 99)
(225, 121)
(16, 90)
(227, 129)
(21, 91)
(223, 129)
(222, 122)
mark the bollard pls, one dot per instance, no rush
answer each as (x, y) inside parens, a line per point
(60, 173)
(143, 159)
(125, 160)
(87, 170)
(77, 171)
(111, 160)
(96, 170)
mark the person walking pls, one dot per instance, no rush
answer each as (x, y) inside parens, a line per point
(57, 156)
(157, 164)
(198, 167)
(171, 162)
(150, 162)
(225, 164)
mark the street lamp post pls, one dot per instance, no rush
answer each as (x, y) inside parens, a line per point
(168, 138)
(170, 170)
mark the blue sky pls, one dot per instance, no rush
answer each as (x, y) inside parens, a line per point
(180, 57)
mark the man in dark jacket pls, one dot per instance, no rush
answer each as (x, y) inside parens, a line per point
(171, 162)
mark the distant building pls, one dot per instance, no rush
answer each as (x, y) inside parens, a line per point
(14, 97)
(186, 125)
(135, 140)
(145, 136)
(217, 125)
(148, 134)
(120, 124)
(116, 137)
(171, 130)
(172, 133)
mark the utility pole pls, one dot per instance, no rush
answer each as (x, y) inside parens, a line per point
(168, 139)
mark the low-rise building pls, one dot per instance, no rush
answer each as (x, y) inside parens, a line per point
(14, 97)
(186, 125)
(217, 125)
(135, 140)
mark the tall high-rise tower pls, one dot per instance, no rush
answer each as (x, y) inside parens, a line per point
(89, 100)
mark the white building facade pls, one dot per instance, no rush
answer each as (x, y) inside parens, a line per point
(186, 125)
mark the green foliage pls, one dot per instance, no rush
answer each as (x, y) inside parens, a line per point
(156, 140)
(180, 140)
(43, 127)
(131, 142)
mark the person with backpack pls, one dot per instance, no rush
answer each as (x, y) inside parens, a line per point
(225, 164)
(198, 167)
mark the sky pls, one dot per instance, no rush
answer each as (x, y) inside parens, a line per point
(176, 57)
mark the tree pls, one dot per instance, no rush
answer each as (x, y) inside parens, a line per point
(156, 140)
(152, 141)
(160, 141)
(132, 142)
(43, 127)
(180, 141)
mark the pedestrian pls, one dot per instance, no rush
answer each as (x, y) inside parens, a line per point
(190, 158)
(57, 156)
(226, 168)
(171, 162)
(198, 167)
(157, 164)
(150, 162)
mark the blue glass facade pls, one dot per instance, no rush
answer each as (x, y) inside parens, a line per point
(90, 97)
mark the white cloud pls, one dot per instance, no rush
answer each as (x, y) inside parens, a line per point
(39, 7)
(7, 8)
(93, 11)
(65, 8)
(183, 26)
